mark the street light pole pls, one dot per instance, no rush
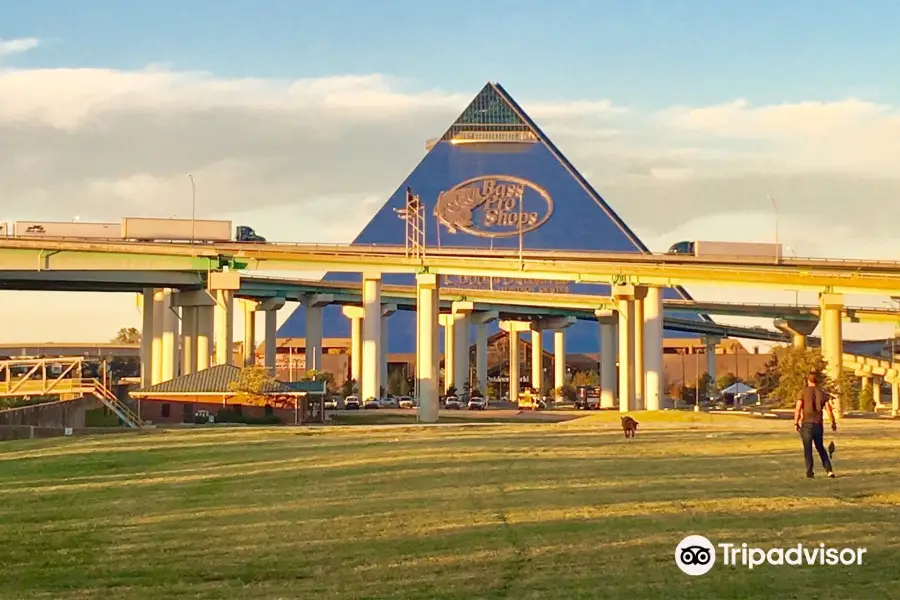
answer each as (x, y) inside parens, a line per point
(777, 232)
(193, 207)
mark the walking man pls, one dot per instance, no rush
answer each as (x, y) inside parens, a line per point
(808, 420)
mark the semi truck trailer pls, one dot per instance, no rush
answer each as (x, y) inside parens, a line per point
(706, 249)
(135, 229)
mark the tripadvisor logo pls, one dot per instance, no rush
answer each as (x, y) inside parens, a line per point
(696, 555)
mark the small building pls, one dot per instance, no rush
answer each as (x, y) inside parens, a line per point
(192, 398)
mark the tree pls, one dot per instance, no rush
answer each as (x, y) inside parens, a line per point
(866, 399)
(451, 391)
(567, 392)
(727, 380)
(252, 385)
(328, 378)
(397, 383)
(792, 366)
(585, 378)
(349, 388)
(127, 335)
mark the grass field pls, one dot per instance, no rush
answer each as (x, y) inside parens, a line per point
(557, 510)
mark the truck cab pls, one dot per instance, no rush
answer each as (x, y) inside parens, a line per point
(243, 233)
(682, 248)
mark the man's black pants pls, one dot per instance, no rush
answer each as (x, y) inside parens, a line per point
(812, 433)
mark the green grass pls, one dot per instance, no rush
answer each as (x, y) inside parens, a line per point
(526, 511)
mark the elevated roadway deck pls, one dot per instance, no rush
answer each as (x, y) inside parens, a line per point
(840, 276)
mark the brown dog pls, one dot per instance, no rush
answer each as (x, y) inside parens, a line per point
(629, 426)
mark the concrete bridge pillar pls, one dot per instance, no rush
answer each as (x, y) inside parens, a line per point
(146, 304)
(537, 360)
(355, 314)
(640, 374)
(895, 398)
(188, 339)
(156, 345)
(712, 367)
(205, 330)
(557, 325)
(270, 308)
(876, 391)
(832, 306)
(370, 386)
(624, 296)
(386, 311)
(448, 322)
(480, 319)
(800, 330)
(248, 345)
(315, 304)
(514, 329)
(427, 355)
(461, 368)
(196, 328)
(169, 338)
(223, 285)
(653, 349)
(609, 322)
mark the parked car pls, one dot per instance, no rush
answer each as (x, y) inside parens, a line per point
(351, 403)
(388, 402)
(371, 402)
(477, 403)
(406, 402)
(331, 404)
(452, 403)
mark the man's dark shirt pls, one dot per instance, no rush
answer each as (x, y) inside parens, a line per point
(814, 401)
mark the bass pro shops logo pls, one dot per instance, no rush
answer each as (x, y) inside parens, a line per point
(494, 206)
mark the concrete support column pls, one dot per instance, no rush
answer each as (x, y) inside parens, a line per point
(224, 327)
(370, 387)
(514, 329)
(427, 355)
(269, 308)
(608, 356)
(832, 306)
(156, 348)
(315, 304)
(355, 314)
(653, 349)
(386, 311)
(205, 328)
(711, 365)
(448, 322)
(188, 339)
(480, 320)
(514, 365)
(559, 361)
(461, 368)
(169, 338)
(895, 398)
(865, 382)
(537, 360)
(147, 337)
(876, 391)
(798, 328)
(624, 296)
(640, 375)
(248, 347)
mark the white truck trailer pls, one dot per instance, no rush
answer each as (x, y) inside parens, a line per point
(725, 250)
(67, 229)
(137, 228)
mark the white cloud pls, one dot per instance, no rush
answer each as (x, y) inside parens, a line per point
(313, 160)
(17, 46)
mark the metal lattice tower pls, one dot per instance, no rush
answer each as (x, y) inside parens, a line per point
(414, 215)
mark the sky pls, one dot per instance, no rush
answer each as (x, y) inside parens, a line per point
(300, 118)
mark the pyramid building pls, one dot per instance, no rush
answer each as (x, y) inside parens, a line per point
(492, 168)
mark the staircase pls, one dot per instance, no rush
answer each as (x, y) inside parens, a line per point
(122, 410)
